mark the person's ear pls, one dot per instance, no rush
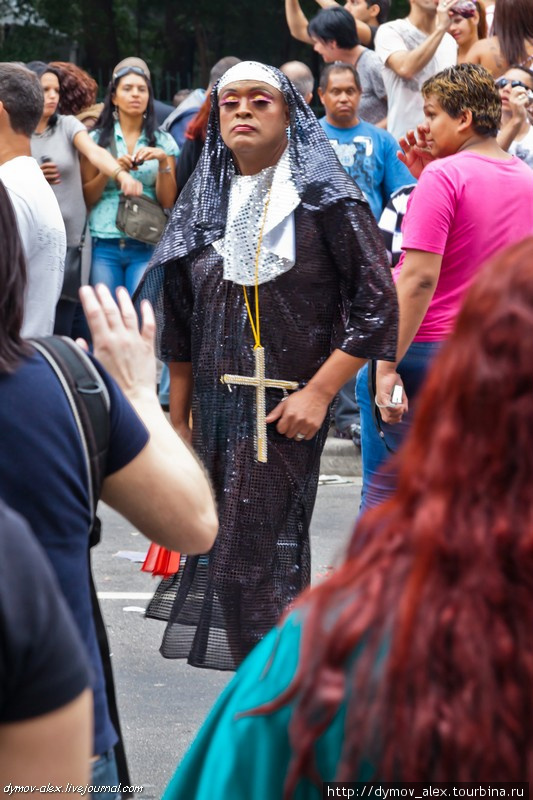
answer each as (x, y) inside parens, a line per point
(465, 120)
(321, 95)
(374, 10)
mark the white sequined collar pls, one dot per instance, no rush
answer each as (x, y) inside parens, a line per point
(246, 207)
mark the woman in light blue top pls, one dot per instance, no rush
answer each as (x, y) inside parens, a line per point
(127, 127)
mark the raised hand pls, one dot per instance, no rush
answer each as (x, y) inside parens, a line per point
(125, 351)
(445, 14)
(519, 102)
(415, 152)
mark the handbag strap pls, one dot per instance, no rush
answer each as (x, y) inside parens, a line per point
(89, 400)
(83, 233)
(112, 147)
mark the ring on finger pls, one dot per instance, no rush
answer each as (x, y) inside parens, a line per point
(299, 437)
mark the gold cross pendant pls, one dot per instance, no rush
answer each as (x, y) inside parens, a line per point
(261, 383)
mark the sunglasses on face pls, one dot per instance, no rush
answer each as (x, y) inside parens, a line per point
(126, 71)
(501, 82)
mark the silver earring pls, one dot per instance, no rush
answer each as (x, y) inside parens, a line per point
(115, 114)
(144, 115)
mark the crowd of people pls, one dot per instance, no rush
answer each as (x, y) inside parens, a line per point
(375, 263)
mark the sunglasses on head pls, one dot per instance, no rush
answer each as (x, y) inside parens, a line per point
(126, 71)
(501, 82)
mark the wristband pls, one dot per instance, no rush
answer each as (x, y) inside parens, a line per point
(165, 170)
(116, 172)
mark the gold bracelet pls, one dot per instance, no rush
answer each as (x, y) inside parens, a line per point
(116, 172)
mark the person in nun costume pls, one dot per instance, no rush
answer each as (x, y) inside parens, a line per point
(270, 268)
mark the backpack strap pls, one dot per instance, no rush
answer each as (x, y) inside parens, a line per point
(89, 401)
(88, 398)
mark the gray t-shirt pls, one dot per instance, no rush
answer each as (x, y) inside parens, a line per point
(373, 105)
(57, 143)
(524, 148)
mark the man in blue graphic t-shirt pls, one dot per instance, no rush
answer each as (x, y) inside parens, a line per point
(367, 153)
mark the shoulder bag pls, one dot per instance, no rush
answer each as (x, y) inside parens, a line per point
(141, 217)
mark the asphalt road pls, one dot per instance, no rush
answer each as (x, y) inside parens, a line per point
(163, 703)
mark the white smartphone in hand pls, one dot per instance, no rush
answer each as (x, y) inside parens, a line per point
(396, 398)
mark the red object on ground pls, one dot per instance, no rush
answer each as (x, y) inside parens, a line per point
(160, 561)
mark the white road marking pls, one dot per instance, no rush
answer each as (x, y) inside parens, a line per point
(125, 595)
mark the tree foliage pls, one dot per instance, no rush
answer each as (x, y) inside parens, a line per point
(182, 38)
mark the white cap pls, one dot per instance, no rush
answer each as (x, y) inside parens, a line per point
(249, 71)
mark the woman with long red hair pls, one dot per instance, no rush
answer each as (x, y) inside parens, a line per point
(414, 661)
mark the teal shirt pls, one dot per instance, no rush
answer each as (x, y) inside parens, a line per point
(102, 217)
(248, 757)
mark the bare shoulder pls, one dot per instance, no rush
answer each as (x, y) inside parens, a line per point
(488, 54)
(484, 46)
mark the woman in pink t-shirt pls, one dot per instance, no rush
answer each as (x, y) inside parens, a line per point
(472, 200)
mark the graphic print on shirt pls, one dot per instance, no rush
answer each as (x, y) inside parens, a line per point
(357, 158)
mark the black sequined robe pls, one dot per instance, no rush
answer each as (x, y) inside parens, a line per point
(339, 294)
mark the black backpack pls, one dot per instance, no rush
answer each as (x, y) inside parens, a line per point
(88, 398)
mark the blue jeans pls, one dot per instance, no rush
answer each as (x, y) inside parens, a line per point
(119, 262)
(379, 484)
(346, 411)
(104, 773)
(164, 386)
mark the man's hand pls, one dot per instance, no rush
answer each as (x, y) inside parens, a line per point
(51, 172)
(386, 379)
(445, 14)
(125, 352)
(416, 153)
(301, 414)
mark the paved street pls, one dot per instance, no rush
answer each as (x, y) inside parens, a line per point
(163, 703)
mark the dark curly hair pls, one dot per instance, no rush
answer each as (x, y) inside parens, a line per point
(78, 89)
